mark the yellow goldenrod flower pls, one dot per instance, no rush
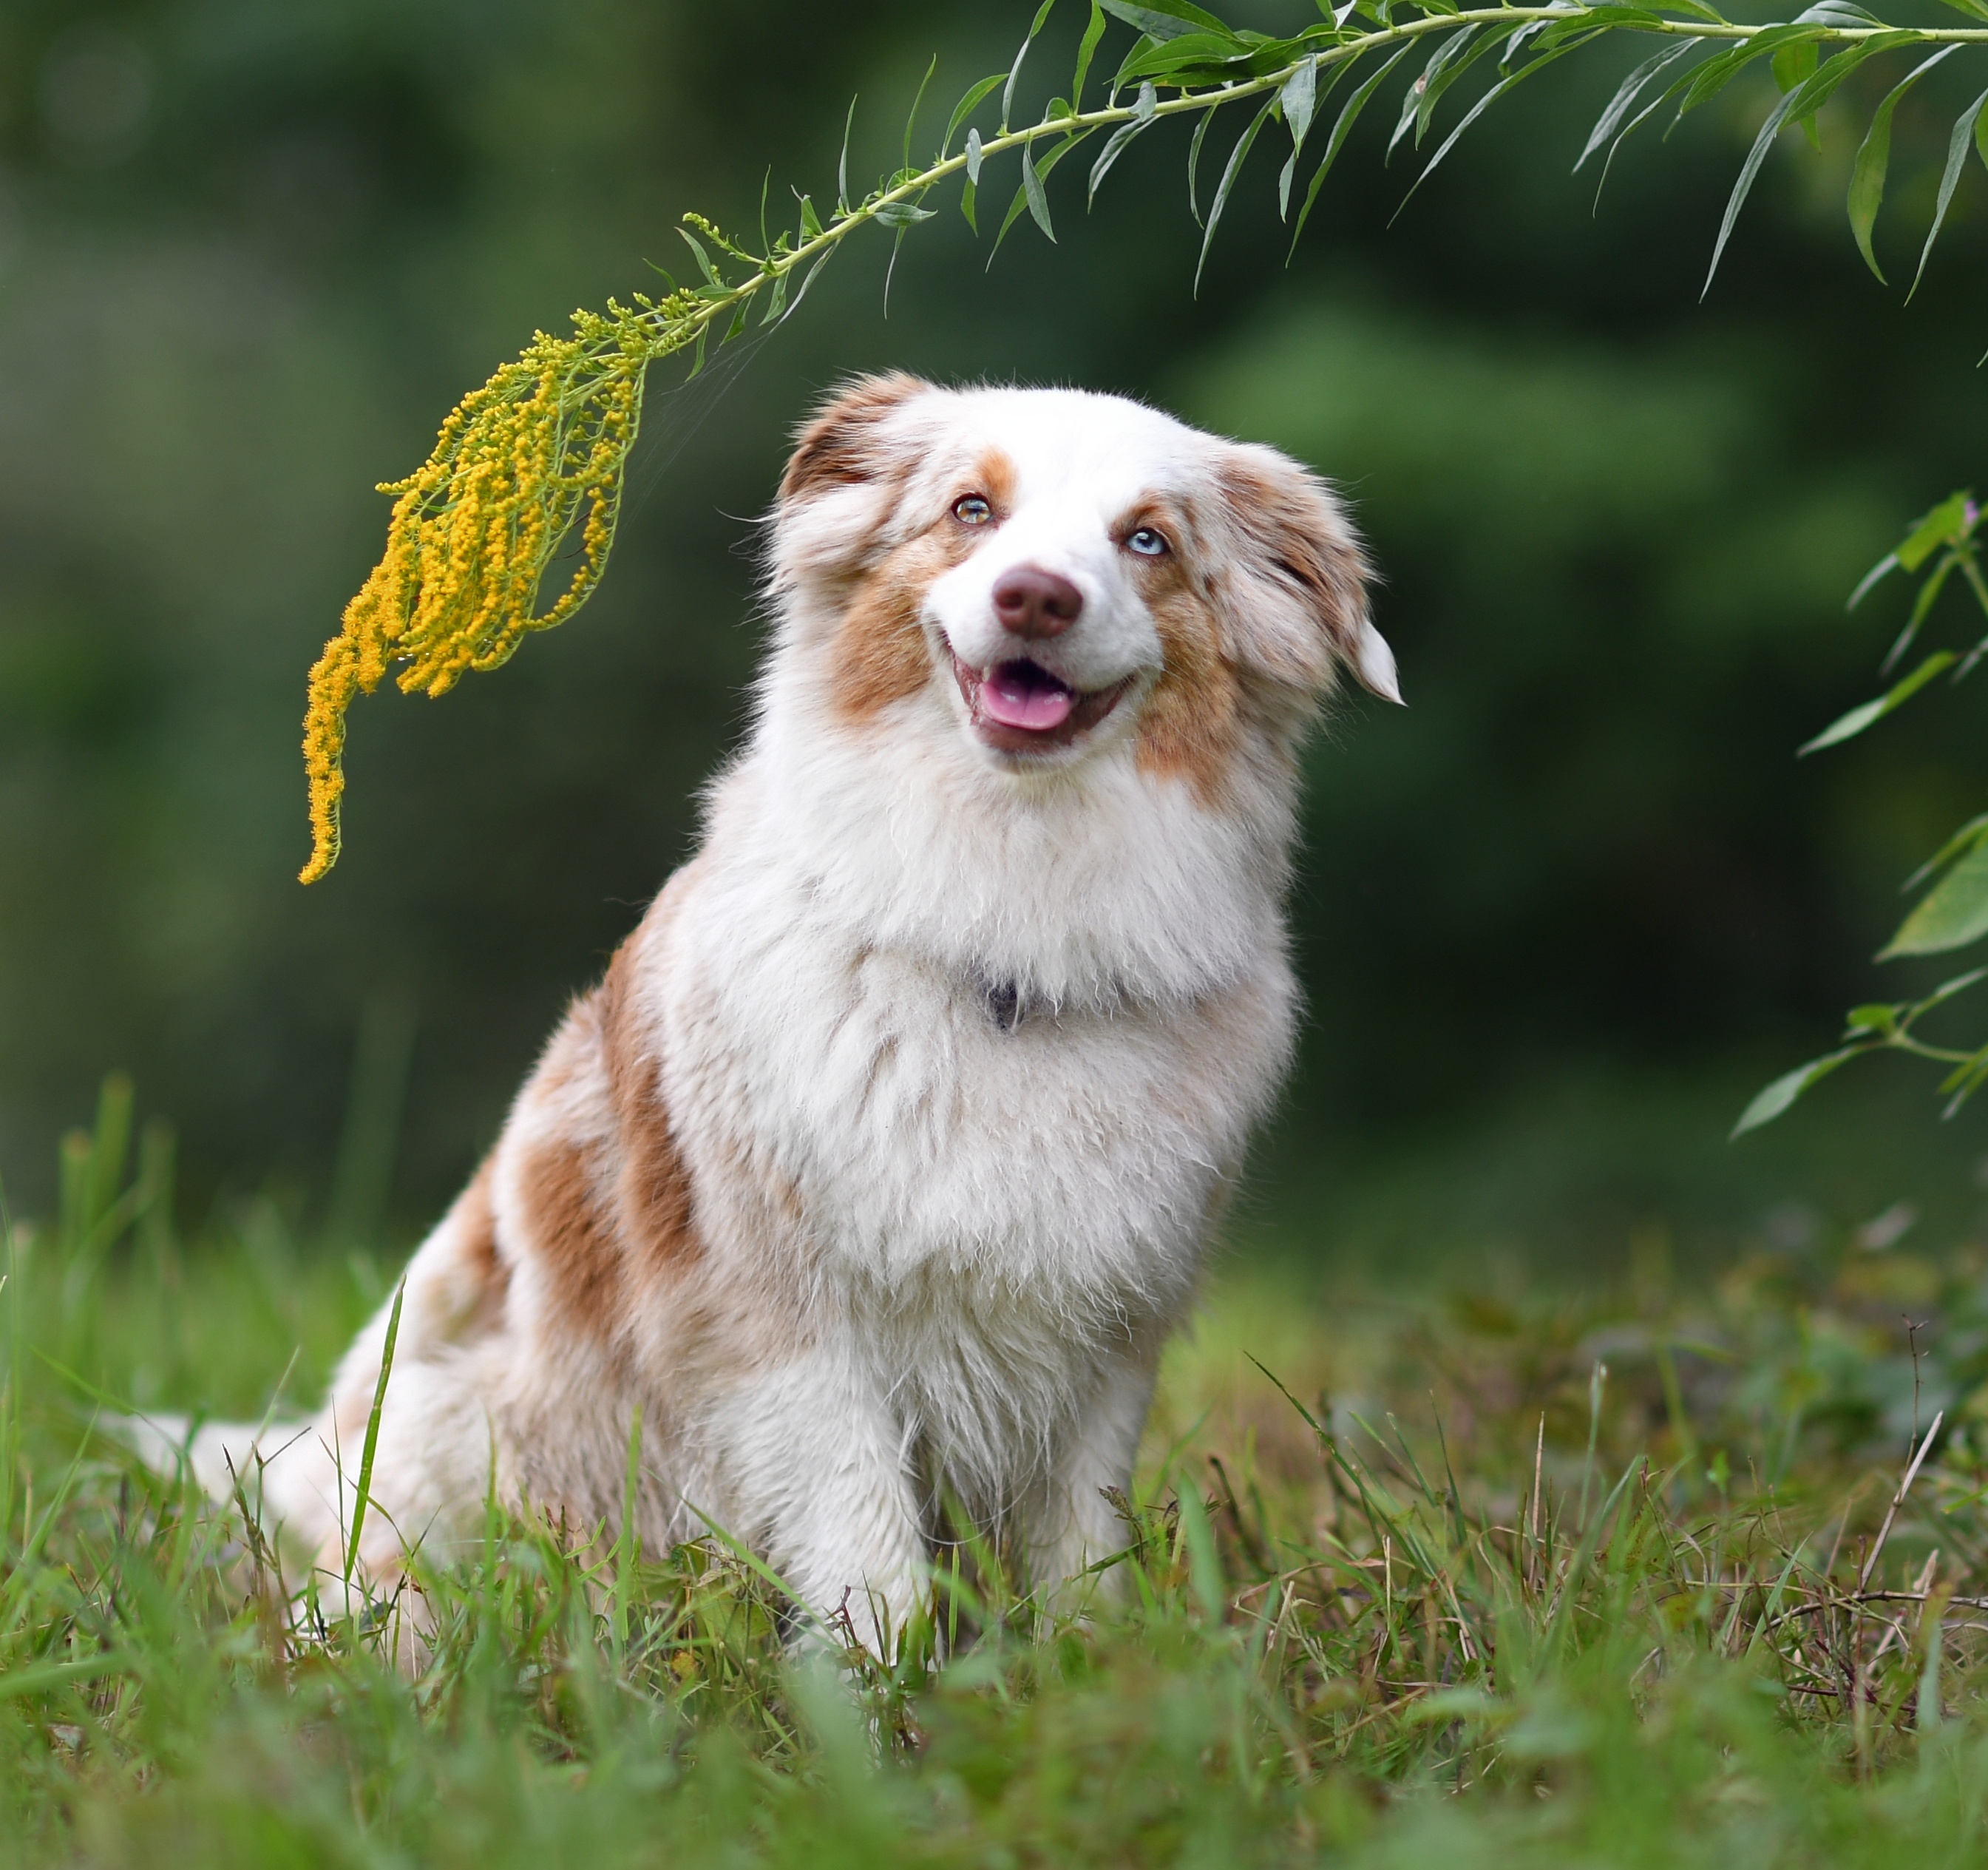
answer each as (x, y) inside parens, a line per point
(541, 447)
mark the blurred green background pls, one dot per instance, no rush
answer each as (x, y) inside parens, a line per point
(1558, 918)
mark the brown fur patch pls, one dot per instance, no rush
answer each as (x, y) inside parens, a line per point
(838, 446)
(1190, 722)
(653, 1190)
(608, 1220)
(880, 653)
(1295, 543)
(573, 1236)
(1189, 727)
(994, 477)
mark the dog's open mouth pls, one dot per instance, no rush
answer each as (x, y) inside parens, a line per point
(1019, 704)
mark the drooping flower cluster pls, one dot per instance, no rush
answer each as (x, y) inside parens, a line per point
(542, 447)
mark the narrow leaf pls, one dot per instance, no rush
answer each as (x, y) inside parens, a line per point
(1632, 87)
(965, 108)
(1944, 526)
(1806, 96)
(1194, 167)
(1413, 100)
(1093, 32)
(1683, 82)
(1719, 71)
(1886, 565)
(1794, 65)
(1452, 69)
(1957, 154)
(1165, 19)
(1349, 115)
(1032, 185)
(1140, 121)
(1237, 156)
(1855, 722)
(371, 1447)
(1951, 914)
(1299, 97)
(1971, 836)
(1021, 199)
(1498, 90)
(1778, 1096)
(1015, 70)
(919, 98)
(842, 165)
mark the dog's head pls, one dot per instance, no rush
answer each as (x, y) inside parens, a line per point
(1063, 573)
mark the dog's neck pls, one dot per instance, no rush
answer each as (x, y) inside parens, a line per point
(1081, 890)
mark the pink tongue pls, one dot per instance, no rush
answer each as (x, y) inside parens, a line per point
(1019, 698)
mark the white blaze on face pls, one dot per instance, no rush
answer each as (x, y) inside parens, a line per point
(1080, 465)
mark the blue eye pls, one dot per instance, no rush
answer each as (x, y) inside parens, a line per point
(1148, 543)
(972, 509)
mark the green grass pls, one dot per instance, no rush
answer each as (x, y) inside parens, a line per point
(1492, 1576)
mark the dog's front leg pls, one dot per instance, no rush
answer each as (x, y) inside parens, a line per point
(1078, 1524)
(817, 1468)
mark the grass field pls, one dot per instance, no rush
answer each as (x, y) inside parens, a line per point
(1617, 1577)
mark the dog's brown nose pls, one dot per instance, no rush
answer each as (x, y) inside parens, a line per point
(1034, 602)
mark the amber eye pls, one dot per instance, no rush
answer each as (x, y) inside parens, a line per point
(1148, 542)
(972, 509)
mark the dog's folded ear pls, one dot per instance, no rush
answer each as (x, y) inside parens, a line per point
(841, 444)
(1298, 594)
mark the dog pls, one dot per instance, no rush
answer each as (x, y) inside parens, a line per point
(881, 1163)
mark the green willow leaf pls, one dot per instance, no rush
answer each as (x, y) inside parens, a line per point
(1417, 99)
(1632, 87)
(1957, 154)
(1508, 83)
(1041, 171)
(1678, 85)
(1794, 65)
(1349, 115)
(1015, 70)
(1719, 71)
(1867, 175)
(1855, 722)
(1944, 525)
(1299, 100)
(1803, 99)
(1093, 32)
(1195, 58)
(910, 122)
(1923, 604)
(1882, 570)
(1194, 167)
(1971, 836)
(1117, 143)
(1237, 156)
(1779, 1096)
(1038, 197)
(1952, 913)
(1452, 69)
(1840, 13)
(965, 108)
(1165, 19)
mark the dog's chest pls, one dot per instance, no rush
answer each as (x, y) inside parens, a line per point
(923, 1118)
